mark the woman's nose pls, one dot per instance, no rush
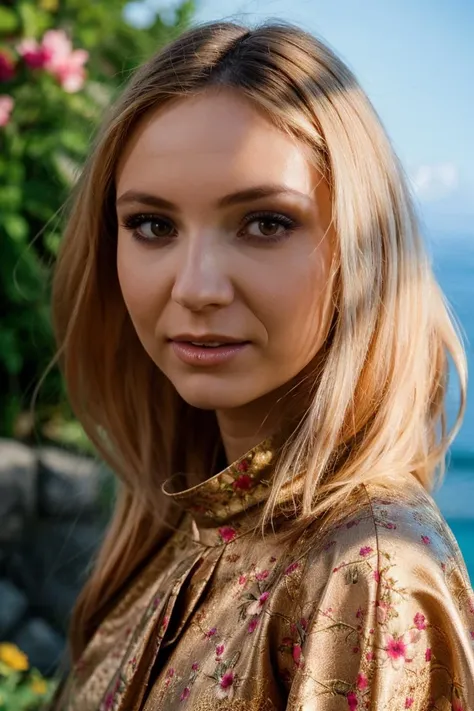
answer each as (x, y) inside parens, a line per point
(202, 280)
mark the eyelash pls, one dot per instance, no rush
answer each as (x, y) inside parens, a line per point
(132, 222)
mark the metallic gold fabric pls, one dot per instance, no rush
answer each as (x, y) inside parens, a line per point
(374, 613)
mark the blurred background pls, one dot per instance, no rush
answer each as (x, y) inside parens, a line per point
(62, 62)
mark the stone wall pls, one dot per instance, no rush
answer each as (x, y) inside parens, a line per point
(53, 511)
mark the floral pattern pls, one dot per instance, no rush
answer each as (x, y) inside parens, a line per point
(376, 612)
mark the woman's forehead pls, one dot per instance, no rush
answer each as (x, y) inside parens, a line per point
(215, 139)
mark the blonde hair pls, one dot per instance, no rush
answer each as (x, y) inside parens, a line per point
(377, 409)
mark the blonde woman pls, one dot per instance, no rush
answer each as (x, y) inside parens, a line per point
(253, 338)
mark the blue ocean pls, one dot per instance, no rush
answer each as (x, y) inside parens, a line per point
(453, 261)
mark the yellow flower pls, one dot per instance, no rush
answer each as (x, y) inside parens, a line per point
(39, 686)
(51, 5)
(13, 657)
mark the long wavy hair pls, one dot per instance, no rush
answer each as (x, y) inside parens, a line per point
(377, 410)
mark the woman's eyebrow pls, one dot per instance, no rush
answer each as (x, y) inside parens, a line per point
(248, 195)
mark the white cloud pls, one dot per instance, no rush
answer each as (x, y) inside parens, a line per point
(435, 181)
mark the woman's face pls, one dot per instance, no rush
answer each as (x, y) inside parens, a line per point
(224, 249)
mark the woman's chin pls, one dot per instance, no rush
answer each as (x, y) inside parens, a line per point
(214, 396)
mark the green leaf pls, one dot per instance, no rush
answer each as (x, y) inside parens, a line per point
(34, 20)
(8, 21)
(16, 227)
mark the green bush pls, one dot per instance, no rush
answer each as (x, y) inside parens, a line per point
(48, 113)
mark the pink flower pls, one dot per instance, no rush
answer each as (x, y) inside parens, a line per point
(7, 67)
(426, 540)
(170, 673)
(352, 700)
(243, 465)
(400, 649)
(34, 55)
(256, 607)
(242, 483)
(227, 533)
(6, 107)
(291, 568)
(211, 632)
(419, 621)
(369, 656)
(365, 551)
(195, 666)
(64, 63)
(362, 681)
(297, 654)
(409, 702)
(252, 625)
(219, 650)
(377, 576)
(226, 686)
(261, 575)
(185, 694)
(242, 580)
(428, 654)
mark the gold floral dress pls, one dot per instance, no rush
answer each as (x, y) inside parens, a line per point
(375, 612)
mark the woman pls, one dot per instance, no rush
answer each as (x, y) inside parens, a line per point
(253, 338)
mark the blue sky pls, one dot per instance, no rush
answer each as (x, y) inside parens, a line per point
(415, 59)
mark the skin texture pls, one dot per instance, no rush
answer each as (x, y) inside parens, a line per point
(213, 268)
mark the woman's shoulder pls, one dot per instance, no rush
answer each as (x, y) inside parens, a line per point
(400, 526)
(387, 604)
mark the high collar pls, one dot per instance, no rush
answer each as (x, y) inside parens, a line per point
(228, 496)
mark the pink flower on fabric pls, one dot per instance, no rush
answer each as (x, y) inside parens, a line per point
(362, 681)
(227, 533)
(297, 654)
(185, 694)
(426, 540)
(6, 107)
(252, 625)
(377, 576)
(242, 580)
(195, 666)
(242, 483)
(409, 702)
(226, 686)
(352, 700)
(243, 465)
(210, 633)
(428, 654)
(365, 551)
(420, 621)
(256, 607)
(291, 568)
(369, 656)
(219, 650)
(400, 649)
(262, 575)
(7, 67)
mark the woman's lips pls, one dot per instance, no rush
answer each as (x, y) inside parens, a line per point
(200, 355)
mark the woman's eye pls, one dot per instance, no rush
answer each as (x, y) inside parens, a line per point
(155, 228)
(148, 228)
(268, 227)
